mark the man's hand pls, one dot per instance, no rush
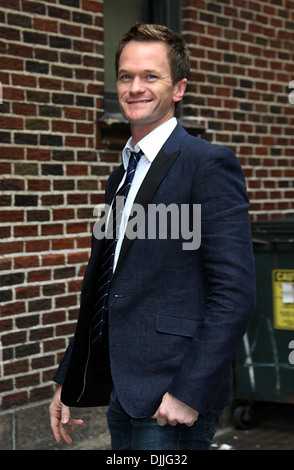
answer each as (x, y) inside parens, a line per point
(60, 418)
(173, 411)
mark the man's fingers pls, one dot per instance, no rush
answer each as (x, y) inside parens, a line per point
(61, 421)
(65, 429)
(190, 424)
(161, 418)
(65, 436)
(76, 422)
(65, 414)
(161, 421)
(172, 411)
(173, 422)
(55, 430)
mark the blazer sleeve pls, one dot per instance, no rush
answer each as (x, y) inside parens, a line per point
(60, 374)
(228, 264)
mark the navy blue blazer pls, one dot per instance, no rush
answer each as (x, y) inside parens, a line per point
(176, 316)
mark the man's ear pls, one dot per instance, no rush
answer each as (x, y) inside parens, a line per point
(180, 89)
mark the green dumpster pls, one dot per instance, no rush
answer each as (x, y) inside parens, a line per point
(264, 364)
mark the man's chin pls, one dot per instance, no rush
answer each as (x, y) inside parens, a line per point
(136, 119)
(137, 113)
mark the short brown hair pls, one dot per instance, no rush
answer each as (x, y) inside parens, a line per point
(178, 51)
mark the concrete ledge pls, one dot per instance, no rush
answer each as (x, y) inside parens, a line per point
(28, 428)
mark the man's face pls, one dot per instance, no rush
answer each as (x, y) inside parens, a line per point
(146, 93)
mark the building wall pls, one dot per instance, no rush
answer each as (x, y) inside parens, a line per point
(52, 77)
(54, 166)
(242, 63)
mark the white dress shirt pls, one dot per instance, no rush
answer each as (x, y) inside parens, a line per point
(150, 146)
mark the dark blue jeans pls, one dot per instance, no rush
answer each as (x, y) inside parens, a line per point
(146, 434)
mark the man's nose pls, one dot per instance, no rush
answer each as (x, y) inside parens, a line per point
(137, 86)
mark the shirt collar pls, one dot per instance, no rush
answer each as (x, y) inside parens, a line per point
(151, 143)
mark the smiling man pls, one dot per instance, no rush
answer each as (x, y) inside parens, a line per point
(159, 325)
(146, 92)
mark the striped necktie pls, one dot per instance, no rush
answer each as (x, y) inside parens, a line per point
(106, 269)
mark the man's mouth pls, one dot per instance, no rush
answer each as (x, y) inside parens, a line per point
(139, 101)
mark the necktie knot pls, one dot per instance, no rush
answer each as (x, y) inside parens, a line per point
(134, 160)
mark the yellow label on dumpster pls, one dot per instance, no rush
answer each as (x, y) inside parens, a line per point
(283, 293)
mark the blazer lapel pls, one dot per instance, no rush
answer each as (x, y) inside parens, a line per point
(157, 172)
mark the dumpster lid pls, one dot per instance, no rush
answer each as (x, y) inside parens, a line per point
(284, 225)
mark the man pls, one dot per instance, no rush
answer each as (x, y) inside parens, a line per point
(176, 313)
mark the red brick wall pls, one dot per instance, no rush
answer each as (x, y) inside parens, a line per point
(53, 167)
(242, 63)
(51, 70)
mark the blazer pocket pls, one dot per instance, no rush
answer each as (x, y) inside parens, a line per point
(176, 325)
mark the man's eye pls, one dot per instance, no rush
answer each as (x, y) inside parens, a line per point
(151, 77)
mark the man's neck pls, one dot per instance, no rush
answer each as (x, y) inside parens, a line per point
(139, 131)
